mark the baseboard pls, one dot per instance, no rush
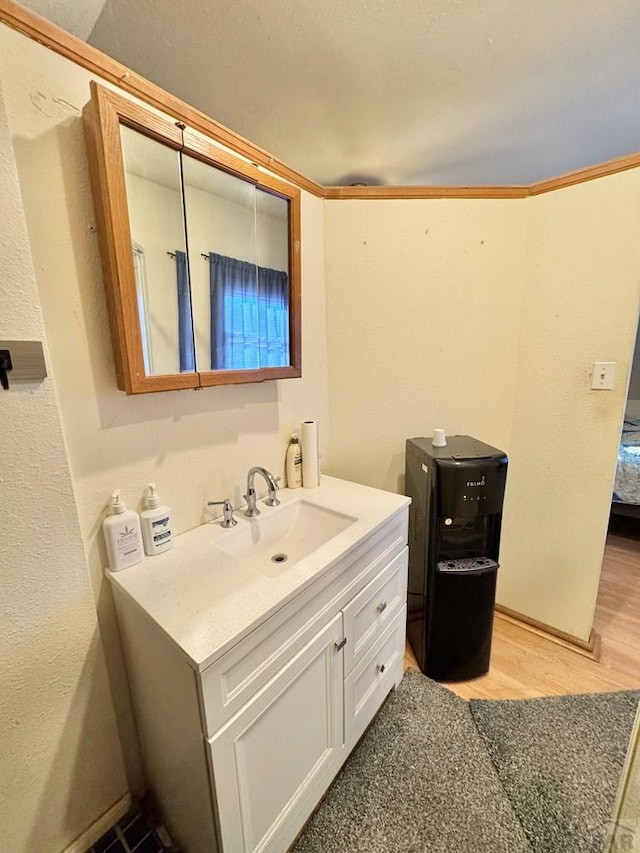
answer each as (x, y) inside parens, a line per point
(588, 648)
(97, 829)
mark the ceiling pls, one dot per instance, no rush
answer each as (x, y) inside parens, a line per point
(392, 91)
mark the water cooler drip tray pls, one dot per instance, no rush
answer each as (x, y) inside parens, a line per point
(466, 564)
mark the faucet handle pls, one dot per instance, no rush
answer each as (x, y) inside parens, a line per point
(227, 512)
(252, 510)
(272, 500)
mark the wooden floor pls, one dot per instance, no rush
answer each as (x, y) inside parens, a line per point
(525, 663)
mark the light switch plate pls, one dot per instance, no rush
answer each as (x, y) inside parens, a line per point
(603, 375)
(27, 358)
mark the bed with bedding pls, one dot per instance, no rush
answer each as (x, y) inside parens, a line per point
(626, 489)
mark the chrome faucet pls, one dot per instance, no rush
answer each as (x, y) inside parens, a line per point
(227, 512)
(272, 482)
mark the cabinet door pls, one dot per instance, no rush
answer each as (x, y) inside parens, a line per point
(273, 761)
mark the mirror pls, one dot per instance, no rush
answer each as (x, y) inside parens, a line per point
(200, 250)
(239, 251)
(158, 244)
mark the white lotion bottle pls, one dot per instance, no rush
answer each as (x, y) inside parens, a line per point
(294, 463)
(157, 534)
(122, 535)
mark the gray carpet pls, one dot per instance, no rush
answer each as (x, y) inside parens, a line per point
(420, 780)
(425, 778)
(559, 760)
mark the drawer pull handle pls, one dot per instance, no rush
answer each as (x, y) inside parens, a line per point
(341, 644)
(382, 606)
(381, 668)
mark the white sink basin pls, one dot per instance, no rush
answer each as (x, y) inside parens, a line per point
(281, 536)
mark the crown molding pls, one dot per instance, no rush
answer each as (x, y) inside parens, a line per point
(96, 62)
(93, 60)
(407, 192)
(580, 176)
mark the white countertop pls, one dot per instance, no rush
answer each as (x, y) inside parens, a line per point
(207, 601)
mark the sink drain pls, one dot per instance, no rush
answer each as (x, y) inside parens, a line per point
(279, 558)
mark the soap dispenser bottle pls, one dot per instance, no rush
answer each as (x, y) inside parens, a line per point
(294, 463)
(156, 524)
(122, 535)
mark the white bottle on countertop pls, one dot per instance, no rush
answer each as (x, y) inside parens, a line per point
(294, 463)
(157, 534)
(122, 535)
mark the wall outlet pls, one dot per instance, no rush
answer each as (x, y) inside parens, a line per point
(603, 375)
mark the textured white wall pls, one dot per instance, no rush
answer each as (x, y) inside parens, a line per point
(484, 317)
(60, 758)
(76, 18)
(581, 306)
(423, 310)
(195, 445)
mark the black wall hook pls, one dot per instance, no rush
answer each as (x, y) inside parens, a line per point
(5, 367)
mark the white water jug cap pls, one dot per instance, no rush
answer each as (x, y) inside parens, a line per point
(439, 438)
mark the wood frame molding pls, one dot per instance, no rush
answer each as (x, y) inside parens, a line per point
(416, 192)
(55, 38)
(590, 173)
(98, 828)
(102, 117)
(569, 179)
(590, 648)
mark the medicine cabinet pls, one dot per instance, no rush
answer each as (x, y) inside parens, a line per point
(200, 254)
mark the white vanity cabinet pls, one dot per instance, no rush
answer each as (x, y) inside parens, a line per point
(239, 748)
(274, 759)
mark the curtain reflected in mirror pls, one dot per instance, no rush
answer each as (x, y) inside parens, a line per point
(185, 320)
(238, 243)
(249, 315)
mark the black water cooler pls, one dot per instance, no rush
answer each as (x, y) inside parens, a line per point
(455, 518)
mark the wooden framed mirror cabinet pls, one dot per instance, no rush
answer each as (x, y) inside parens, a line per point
(200, 254)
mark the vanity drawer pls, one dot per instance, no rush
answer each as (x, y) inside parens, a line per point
(373, 678)
(374, 608)
(229, 683)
